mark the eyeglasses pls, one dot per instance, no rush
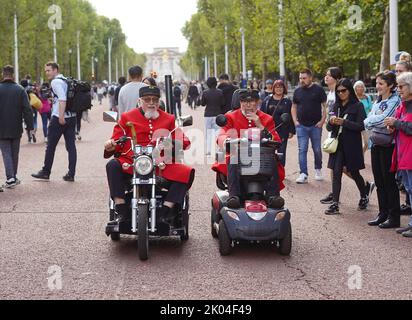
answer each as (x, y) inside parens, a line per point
(151, 100)
(341, 91)
(400, 87)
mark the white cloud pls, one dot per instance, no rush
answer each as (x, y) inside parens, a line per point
(150, 24)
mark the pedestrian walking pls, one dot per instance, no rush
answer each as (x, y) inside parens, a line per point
(14, 107)
(276, 105)
(228, 90)
(177, 99)
(63, 123)
(309, 116)
(346, 125)
(214, 101)
(129, 94)
(45, 112)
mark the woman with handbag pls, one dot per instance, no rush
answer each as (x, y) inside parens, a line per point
(383, 146)
(346, 125)
(276, 105)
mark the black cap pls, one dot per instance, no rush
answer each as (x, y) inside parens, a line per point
(248, 95)
(149, 91)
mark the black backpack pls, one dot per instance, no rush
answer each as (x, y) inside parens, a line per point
(79, 96)
(177, 92)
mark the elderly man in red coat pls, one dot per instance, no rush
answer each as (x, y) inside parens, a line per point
(150, 123)
(248, 117)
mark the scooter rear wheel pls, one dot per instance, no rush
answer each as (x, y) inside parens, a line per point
(143, 232)
(212, 226)
(225, 243)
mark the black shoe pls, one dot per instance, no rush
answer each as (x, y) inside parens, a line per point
(68, 178)
(167, 215)
(122, 211)
(276, 202)
(328, 199)
(363, 204)
(41, 175)
(233, 203)
(402, 230)
(406, 210)
(377, 221)
(333, 210)
(390, 224)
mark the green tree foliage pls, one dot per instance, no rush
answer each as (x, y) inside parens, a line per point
(36, 39)
(318, 34)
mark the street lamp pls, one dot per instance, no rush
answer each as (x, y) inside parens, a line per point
(70, 61)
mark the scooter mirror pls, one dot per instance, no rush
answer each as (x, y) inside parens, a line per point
(221, 120)
(285, 118)
(110, 116)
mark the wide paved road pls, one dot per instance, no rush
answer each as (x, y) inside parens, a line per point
(50, 225)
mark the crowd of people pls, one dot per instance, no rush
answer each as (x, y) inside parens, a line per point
(358, 122)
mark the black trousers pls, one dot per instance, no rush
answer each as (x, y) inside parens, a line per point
(282, 150)
(117, 180)
(56, 131)
(238, 188)
(79, 116)
(178, 107)
(337, 178)
(387, 189)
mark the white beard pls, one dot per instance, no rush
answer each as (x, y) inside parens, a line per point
(152, 115)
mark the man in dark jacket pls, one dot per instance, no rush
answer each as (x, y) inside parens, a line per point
(14, 106)
(214, 101)
(228, 90)
(193, 95)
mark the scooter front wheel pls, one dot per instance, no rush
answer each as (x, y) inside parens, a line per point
(143, 232)
(225, 243)
(285, 245)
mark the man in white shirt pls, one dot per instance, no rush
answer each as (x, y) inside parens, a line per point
(129, 94)
(62, 123)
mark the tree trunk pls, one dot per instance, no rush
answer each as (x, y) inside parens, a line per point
(385, 59)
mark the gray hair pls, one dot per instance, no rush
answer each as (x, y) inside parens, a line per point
(359, 84)
(406, 78)
(406, 64)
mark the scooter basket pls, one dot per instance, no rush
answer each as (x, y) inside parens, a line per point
(258, 161)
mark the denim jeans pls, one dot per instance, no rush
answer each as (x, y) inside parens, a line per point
(45, 120)
(212, 130)
(315, 135)
(56, 131)
(407, 182)
(10, 150)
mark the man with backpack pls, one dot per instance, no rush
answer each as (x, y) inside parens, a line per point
(63, 123)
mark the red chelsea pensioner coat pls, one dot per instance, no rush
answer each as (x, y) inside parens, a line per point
(147, 132)
(236, 120)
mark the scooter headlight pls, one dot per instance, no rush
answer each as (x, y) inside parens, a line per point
(280, 216)
(144, 165)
